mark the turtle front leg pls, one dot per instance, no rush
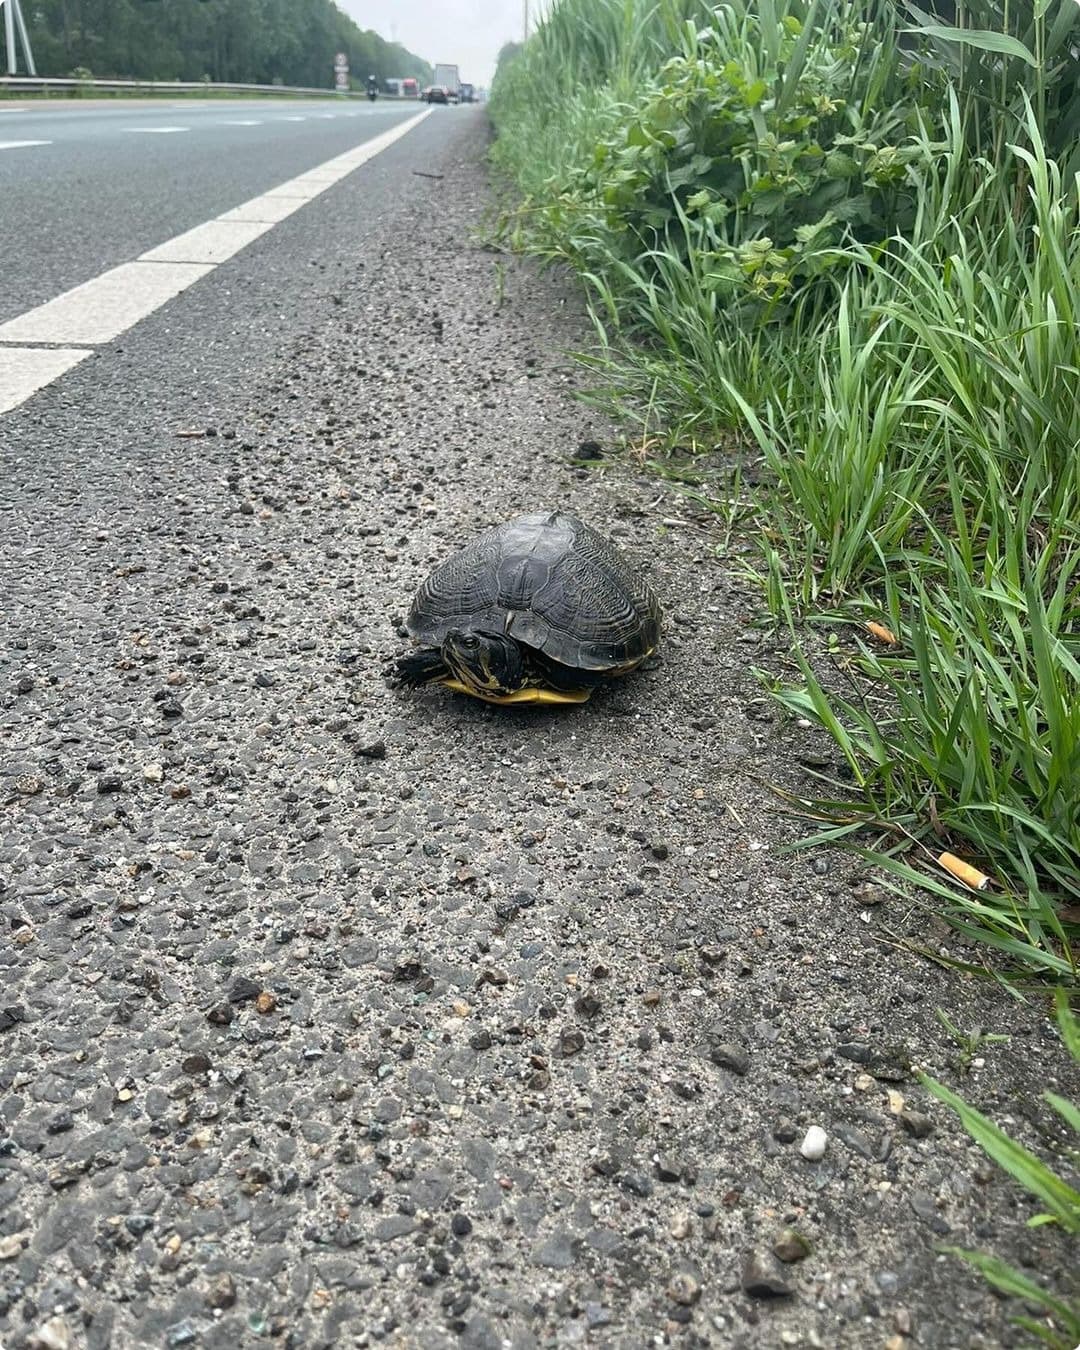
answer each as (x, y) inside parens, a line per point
(425, 666)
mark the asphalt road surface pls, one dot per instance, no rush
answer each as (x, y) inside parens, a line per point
(82, 189)
(332, 1015)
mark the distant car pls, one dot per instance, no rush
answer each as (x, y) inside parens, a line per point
(468, 93)
(436, 93)
(410, 88)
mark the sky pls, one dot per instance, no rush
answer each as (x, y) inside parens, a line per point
(466, 33)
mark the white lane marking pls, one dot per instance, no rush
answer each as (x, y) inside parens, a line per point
(241, 124)
(326, 117)
(214, 242)
(294, 119)
(102, 309)
(269, 208)
(302, 192)
(25, 370)
(13, 110)
(154, 131)
(21, 145)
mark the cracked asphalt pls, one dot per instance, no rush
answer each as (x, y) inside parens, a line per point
(334, 1015)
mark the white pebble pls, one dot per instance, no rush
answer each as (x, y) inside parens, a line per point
(55, 1334)
(813, 1146)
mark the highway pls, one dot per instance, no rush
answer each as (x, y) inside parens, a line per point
(338, 1015)
(85, 187)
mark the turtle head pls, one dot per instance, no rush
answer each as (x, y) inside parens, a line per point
(487, 664)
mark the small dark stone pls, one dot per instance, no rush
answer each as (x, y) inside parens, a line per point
(110, 782)
(222, 1293)
(557, 1252)
(510, 907)
(66, 1174)
(857, 1051)
(221, 1015)
(138, 1224)
(24, 684)
(785, 1131)
(637, 1183)
(856, 1140)
(759, 1282)
(571, 1041)
(374, 750)
(926, 1208)
(60, 1123)
(170, 708)
(480, 1040)
(11, 1016)
(461, 1225)
(586, 450)
(916, 1124)
(243, 989)
(791, 1246)
(728, 1056)
(668, 1168)
(196, 1064)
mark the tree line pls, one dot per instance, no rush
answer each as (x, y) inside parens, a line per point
(229, 41)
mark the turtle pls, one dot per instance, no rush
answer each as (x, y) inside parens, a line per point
(539, 609)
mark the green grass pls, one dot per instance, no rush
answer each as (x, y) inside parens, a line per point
(861, 265)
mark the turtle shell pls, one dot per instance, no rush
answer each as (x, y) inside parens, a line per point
(553, 583)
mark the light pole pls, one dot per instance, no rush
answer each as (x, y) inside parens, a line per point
(13, 22)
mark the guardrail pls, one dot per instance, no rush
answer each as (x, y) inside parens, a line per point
(31, 84)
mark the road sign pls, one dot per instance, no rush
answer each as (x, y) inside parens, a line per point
(341, 80)
(341, 61)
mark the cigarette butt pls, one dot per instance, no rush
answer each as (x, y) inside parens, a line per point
(970, 876)
(883, 634)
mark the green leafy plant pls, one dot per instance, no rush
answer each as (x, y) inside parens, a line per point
(969, 1042)
(859, 265)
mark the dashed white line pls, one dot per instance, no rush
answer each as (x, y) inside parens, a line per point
(270, 207)
(21, 145)
(100, 310)
(155, 131)
(25, 370)
(294, 119)
(241, 124)
(214, 242)
(13, 110)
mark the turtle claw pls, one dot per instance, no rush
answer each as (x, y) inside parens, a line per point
(418, 668)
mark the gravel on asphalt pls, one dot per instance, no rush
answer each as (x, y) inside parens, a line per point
(333, 1015)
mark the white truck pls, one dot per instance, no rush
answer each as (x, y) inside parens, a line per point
(449, 78)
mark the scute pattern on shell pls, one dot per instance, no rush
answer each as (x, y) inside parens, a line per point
(550, 581)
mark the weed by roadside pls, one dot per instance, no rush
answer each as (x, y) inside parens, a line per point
(854, 249)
